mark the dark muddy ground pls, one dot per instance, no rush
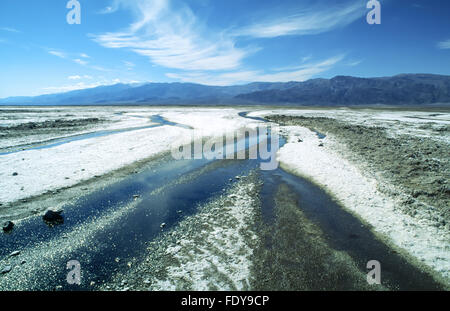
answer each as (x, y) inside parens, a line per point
(53, 124)
(417, 166)
(294, 254)
(48, 127)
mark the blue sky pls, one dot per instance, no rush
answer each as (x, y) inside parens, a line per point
(215, 42)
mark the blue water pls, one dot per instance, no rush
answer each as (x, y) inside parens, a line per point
(159, 120)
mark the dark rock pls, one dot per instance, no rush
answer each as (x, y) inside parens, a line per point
(15, 253)
(6, 269)
(8, 226)
(15, 174)
(53, 217)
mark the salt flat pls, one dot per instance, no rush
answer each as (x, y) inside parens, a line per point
(45, 170)
(357, 185)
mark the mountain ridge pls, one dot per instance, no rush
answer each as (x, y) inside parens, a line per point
(402, 89)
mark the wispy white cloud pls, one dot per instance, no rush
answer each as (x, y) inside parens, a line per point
(100, 68)
(78, 77)
(80, 61)
(129, 65)
(110, 8)
(107, 10)
(306, 21)
(299, 73)
(58, 54)
(327, 63)
(354, 63)
(306, 58)
(444, 44)
(174, 38)
(74, 77)
(9, 29)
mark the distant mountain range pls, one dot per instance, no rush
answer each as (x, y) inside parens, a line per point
(405, 89)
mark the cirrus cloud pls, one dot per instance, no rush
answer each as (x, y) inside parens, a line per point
(306, 21)
(174, 38)
(444, 45)
(299, 73)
